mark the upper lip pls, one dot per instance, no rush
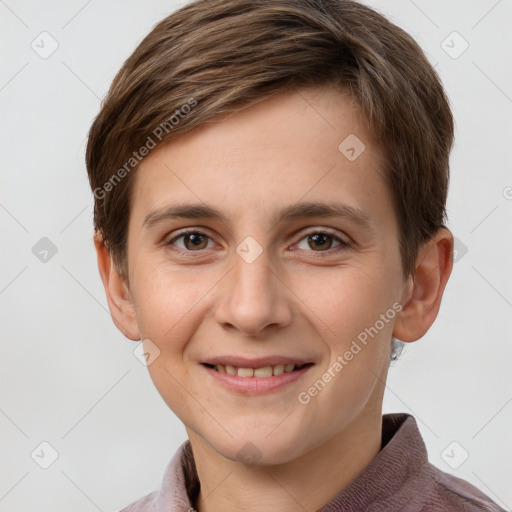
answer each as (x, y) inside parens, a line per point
(258, 362)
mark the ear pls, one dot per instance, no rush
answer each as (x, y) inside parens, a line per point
(119, 296)
(425, 287)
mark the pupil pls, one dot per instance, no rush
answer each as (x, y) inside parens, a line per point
(319, 236)
(195, 239)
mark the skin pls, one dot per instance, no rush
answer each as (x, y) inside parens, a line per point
(297, 298)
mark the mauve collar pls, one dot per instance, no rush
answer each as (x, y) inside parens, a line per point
(396, 474)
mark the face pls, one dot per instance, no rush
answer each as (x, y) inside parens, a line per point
(250, 279)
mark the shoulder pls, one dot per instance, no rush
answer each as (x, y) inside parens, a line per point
(450, 493)
(144, 504)
(172, 494)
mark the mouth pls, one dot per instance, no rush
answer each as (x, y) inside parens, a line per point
(257, 372)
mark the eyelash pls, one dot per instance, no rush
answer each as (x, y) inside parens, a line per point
(342, 243)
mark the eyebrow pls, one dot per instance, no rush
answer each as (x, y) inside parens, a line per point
(291, 212)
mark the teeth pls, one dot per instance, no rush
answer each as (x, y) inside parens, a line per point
(278, 369)
(245, 372)
(229, 369)
(264, 371)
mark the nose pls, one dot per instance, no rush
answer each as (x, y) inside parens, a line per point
(254, 298)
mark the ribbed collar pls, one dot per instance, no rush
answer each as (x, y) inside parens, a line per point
(390, 482)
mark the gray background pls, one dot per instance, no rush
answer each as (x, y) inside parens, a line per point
(69, 378)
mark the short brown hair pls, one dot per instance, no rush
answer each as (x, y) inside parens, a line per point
(216, 56)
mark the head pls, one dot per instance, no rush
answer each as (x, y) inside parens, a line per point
(246, 110)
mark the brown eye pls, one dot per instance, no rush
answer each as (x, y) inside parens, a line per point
(192, 241)
(195, 241)
(321, 241)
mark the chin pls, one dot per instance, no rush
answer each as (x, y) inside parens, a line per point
(258, 449)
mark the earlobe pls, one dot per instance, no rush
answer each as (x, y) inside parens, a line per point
(117, 290)
(426, 287)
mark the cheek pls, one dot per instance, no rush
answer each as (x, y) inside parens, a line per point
(169, 309)
(168, 303)
(343, 302)
(347, 315)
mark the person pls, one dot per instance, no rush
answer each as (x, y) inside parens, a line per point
(270, 182)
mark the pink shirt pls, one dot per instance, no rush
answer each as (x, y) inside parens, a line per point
(399, 479)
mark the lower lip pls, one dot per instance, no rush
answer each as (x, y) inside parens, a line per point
(256, 385)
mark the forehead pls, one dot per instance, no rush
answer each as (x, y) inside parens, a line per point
(309, 144)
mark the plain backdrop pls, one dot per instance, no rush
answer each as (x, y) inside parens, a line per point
(68, 378)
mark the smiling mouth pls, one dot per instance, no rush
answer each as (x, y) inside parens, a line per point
(262, 372)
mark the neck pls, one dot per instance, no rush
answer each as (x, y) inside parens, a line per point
(303, 484)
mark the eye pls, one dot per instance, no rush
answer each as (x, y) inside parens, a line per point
(192, 241)
(318, 241)
(321, 241)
